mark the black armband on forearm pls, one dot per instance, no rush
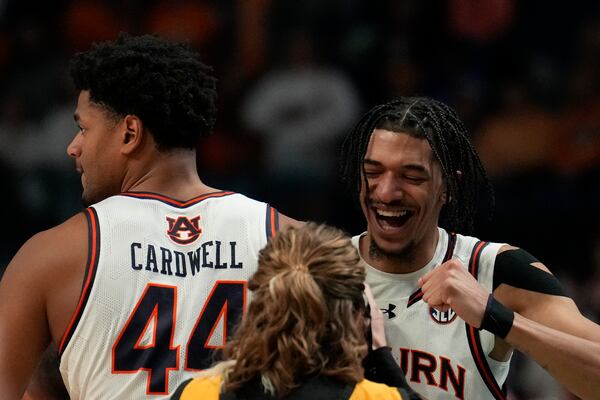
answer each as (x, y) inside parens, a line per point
(497, 319)
(513, 267)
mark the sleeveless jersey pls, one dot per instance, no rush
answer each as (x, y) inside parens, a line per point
(441, 355)
(166, 281)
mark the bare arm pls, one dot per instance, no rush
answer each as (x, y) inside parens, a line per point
(24, 331)
(379, 363)
(377, 325)
(549, 328)
(287, 222)
(572, 360)
(38, 295)
(552, 331)
(46, 382)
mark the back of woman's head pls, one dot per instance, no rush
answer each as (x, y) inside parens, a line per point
(306, 313)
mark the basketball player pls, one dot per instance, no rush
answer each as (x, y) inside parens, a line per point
(454, 306)
(139, 288)
(304, 334)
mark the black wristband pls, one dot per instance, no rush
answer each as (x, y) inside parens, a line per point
(497, 319)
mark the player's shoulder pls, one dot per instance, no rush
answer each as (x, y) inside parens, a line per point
(507, 247)
(242, 200)
(467, 244)
(51, 252)
(516, 260)
(240, 204)
(237, 206)
(72, 230)
(286, 222)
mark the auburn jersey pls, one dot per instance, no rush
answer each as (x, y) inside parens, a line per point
(442, 356)
(166, 282)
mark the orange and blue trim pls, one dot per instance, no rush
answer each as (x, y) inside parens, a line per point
(90, 274)
(271, 222)
(173, 202)
(473, 335)
(418, 294)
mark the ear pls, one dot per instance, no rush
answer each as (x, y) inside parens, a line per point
(132, 134)
(445, 197)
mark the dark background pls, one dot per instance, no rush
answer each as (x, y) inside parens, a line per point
(294, 76)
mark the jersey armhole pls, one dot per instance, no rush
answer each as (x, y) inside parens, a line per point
(498, 392)
(89, 275)
(272, 222)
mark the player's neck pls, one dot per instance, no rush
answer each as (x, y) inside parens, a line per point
(411, 259)
(172, 174)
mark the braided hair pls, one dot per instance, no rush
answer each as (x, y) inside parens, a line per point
(426, 118)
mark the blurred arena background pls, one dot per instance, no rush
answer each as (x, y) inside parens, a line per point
(294, 76)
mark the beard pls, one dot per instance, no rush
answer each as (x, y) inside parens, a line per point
(85, 202)
(406, 254)
(85, 199)
(89, 197)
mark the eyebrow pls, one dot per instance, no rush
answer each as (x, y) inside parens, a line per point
(371, 162)
(413, 167)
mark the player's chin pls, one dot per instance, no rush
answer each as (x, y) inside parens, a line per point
(85, 200)
(89, 197)
(389, 235)
(388, 247)
(386, 243)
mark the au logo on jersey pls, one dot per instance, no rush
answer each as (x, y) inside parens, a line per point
(442, 317)
(184, 230)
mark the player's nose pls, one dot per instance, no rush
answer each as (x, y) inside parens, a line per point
(74, 148)
(387, 189)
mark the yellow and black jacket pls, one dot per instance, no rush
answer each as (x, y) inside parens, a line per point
(317, 388)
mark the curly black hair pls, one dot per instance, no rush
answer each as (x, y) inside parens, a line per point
(429, 119)
(163, 83)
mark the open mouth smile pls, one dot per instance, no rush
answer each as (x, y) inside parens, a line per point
(392, 219)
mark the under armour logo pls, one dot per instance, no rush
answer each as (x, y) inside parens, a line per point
(184, 230)
(389, 311)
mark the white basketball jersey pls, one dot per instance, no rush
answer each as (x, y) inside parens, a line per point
(166, 282)
(442, 356)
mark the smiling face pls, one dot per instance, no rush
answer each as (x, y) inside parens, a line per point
(401, 200)
(96, 150)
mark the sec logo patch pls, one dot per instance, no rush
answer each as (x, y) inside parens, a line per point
(442, 317)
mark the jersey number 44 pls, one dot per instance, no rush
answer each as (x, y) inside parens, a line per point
(145, 343)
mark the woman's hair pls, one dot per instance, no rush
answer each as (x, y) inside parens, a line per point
(163, 83)
(306, 313)
(469, 190)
